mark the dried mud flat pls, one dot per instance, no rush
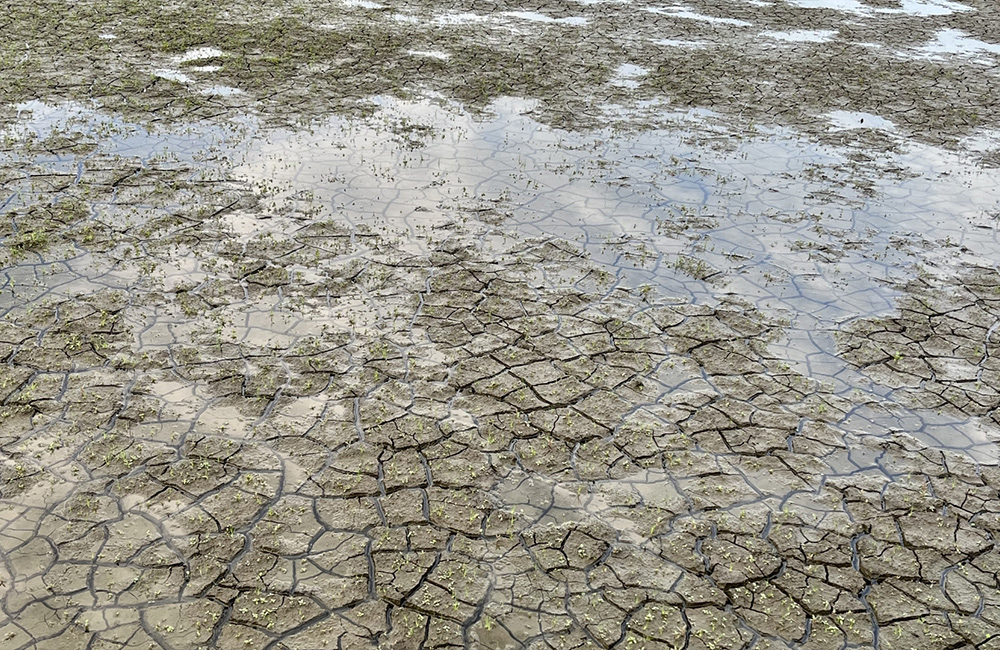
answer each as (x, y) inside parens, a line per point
(561, 325)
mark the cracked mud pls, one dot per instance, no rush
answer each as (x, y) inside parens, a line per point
(563, 325)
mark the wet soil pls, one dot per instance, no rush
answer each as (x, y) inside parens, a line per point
(776, 62)
(560, 325)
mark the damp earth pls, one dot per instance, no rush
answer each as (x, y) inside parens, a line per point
(567, 324)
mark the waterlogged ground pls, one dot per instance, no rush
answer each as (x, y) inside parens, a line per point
(410, 325)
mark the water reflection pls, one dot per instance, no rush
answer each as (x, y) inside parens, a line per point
(696, 207)
(789, 223)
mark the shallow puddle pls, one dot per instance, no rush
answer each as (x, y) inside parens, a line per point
(421, 373)
(762, 215)
(956, 42)
(922, 8)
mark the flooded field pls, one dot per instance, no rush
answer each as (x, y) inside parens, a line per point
(568, 324)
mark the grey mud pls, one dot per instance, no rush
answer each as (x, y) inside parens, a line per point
(410, 325)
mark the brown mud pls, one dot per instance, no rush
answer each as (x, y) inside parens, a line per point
(562, 325)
